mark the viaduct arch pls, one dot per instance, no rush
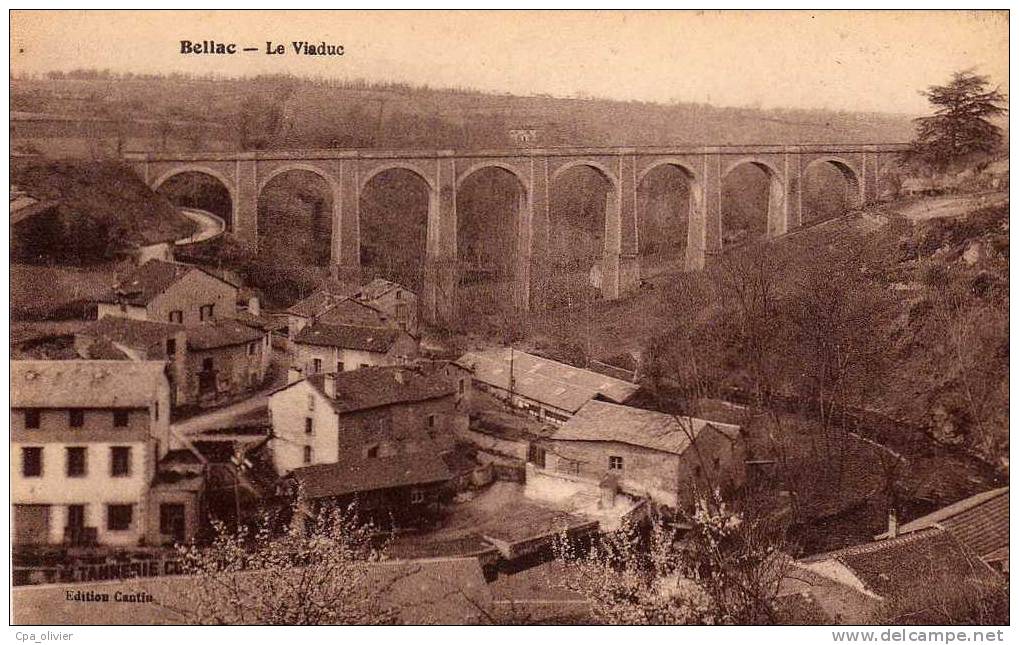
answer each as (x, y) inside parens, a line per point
(347, 172)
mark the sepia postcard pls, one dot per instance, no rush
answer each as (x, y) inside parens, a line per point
(571, 317)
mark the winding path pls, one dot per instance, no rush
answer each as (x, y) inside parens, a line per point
(209, 226)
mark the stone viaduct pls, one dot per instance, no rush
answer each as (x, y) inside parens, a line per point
(347, 173)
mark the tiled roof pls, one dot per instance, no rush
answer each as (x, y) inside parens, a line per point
(356, 474)
(368, 339)
(370, 387)
(130, 332)
(354, 312)
(378, 288)
(322, 300)
(600, 421)
(221, 333)
(438, 591)
(143, 334)
(980, 522)
(85, 384)
(548, 382)
(260, 322)
(149, 280)
(908, 562)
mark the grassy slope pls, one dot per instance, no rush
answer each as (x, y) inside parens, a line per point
(104, 191)
(932, 382)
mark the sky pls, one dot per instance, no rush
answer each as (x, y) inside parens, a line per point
(855, 61)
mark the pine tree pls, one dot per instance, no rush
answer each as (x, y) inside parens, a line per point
(960, 126)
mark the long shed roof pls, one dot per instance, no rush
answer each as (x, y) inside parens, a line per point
(546, 381)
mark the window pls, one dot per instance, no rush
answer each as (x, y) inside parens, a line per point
(77, 418)
(365, 365)
(718, 462)
(399, 294)
(339, 366)
(32, 419)
(176, 316)
(316, 365)
(120, 461)
(172, 520)
(205, 312)
(76, 462)
(31, 462)
(251, 349)
(155, 409)
(615, 463)
(307, 454)
(372, 452)
(417, 496)
(171, 346)
(207, 364)
(462, 385)
(311, 401)
(431, 420)
(309, 425)
(118, 517)
(120, 418)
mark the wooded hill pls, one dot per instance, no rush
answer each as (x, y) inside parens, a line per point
(177, 112)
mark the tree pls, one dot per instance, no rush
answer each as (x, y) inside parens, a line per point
(960, 126)
(725, 569)
(317, 570)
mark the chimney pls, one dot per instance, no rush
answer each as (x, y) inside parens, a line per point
(254, 307)
(294, 375)
(329, 385)
(893, 524)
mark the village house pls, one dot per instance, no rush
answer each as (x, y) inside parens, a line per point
(380, 303)
(549, 391)
(322, 347)
(398, 302)
(170, 292)
(208, 363)
(85, 440)
(852, 584)
(376, 435)
(670, 459)
(979, 522)
(322, 300)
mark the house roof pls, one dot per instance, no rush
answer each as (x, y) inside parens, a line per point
(322, 300)
(435, 591)
(151, 279)
(139, 334)
(260, 322)
(221, 333)
(543, 380)
(601, 421)
(354, 473)
(980, 522)
(351, 311)
(899, 566)
(378, 288)
(370, 387)
(85, 384)
(368, 339)
(142, 334)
